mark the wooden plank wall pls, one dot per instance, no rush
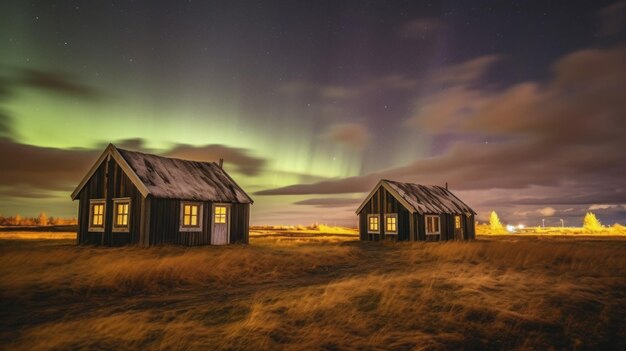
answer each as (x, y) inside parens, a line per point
(115, 184)
(239, 223)
(165, 224)
(381, 203)
(94, 189)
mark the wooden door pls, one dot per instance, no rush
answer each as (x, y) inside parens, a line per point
(221, 224)
(458, 228)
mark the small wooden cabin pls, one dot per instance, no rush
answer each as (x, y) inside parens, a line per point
(411, 212)
(135, 198)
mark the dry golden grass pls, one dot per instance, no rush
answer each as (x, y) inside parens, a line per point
(318, 292)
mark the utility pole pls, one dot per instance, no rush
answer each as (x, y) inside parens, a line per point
(543, 222)
(562, 223)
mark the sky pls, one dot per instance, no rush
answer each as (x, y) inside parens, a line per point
(519, 106)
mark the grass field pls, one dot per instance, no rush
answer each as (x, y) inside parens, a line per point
(298, 289)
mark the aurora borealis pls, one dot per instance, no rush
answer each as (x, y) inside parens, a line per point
(520, 107)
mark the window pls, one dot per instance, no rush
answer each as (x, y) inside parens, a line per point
(457, 222)
(220, 214)
(121, 213)
(96, 215)
(391, 223)
(372, 224)
(432, 225)
(190, 217)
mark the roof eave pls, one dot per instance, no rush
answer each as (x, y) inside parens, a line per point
(111, 151)
(393, 192)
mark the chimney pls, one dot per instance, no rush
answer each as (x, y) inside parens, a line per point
(446, 184)
(221, 162)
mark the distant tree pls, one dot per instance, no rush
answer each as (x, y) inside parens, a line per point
(591, 223)
(618, 229)
(43, 219)
(17, 220)
(494, 223)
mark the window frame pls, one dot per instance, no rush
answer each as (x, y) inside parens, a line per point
(200, 213)
(457, 222)
(92, 204)
(391, 215)
(116, 227)
(426, 217)
(369, 230)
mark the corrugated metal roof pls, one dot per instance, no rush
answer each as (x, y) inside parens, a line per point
(429, 198)
(174, 178)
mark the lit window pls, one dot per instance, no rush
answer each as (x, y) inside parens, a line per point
(220, 214)
(96, 215)
(121, 213)
(372, 225)
(457, 222)
(432, 225)
(391, 223)
(190, 217)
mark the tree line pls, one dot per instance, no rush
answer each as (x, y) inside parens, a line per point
(42, 220)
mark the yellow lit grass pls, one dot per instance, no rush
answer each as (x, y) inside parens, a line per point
(293, 295)
(25, 235)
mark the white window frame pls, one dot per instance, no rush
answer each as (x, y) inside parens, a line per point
(391, 215)
(121, 228)
(368, 223)
(92, 202)
(184, 228)
(426, 217)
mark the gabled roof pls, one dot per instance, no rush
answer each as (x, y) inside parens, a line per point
(172, 178)
(422, 199)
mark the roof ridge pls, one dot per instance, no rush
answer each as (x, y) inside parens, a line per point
(166, 157)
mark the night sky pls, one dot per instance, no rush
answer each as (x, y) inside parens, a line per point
(520, 107)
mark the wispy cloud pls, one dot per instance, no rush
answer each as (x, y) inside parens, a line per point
(421, 28)
(354, 135)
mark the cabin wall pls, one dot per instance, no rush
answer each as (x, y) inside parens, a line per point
(165, 223)
(109, 182)
(239, 223)
(381, 203)
(470, 228)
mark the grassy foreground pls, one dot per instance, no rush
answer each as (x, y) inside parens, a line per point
(300, 290)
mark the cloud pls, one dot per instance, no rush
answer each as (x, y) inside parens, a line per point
(547, 211)
(421, 28)
(466, 72)
(601, 207)
(6, 127)
(45, 168)
(372, 85)
(52, 169)
(612, 19)
(564, 134)
(352, 134)
(56, 82)
(329, 202)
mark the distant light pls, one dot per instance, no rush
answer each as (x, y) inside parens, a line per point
(510, 228)
(521, 226)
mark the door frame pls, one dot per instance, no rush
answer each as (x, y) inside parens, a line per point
(228, 208)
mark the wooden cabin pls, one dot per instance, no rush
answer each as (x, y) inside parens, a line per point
(130, 197)
(411, 212)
